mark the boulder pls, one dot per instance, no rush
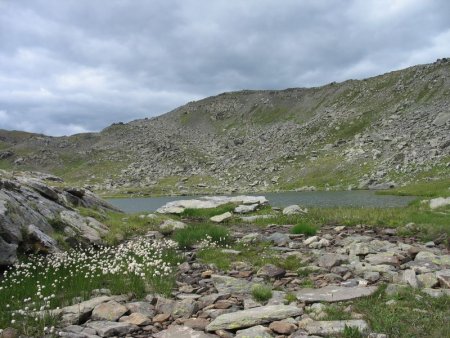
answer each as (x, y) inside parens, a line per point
(136, 318)
(226, 284)
(171, 225)
(222, 217)
(294, 210)
(179, 331)
(279, 238)
(257, 331)
(110, 329)
(282, 327)
(427, 280)
(177, 207)
(80, 312)
(31, 211)
(271, 271)
(330, 259)
(244, 209)
(443, 277)
(184, 309)
(332, 293)
(109, 311)
(80, 225)
(439, 202)
(253, 317)
(40, 241)
(8, 253)
(436, 293)
(144, 308)
(333, 327)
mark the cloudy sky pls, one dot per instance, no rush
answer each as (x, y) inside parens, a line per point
(70, 66)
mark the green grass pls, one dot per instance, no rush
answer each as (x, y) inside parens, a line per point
(290, 298)
(123, 226)
(208, 212)
(327, 170)
(414, 315)
(336, 312)
(77, 276)
(351, 332)
(98, 214)
(431, 223)
(256, 255)
(195, 233)
(261, 293)
(434, 188)
(304, 228)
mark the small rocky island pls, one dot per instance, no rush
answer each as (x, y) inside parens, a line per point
(209, 267)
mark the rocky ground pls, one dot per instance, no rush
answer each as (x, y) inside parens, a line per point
(339, 265)
(374, 133)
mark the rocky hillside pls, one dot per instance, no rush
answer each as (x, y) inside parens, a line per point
(373, 133)
(35, 217)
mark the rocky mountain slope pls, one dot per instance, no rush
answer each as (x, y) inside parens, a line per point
(385, 130)
(34, 216)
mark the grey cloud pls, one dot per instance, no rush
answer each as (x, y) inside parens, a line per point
(78, 65)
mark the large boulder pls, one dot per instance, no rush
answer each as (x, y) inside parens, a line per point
(439, 202)
(294, 210)
(253, 317)
(177, 207)
(222, 217)
(31, 211)
(8, 254)
(332, 293)
(333, 327)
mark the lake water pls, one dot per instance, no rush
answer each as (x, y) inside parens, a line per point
(356, 198)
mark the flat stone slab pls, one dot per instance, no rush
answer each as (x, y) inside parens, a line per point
(253, 317)
(436, 293)
(323, 328)
(226, 284)
(110, 311)
(333, 293)
(179, 331)
(258, 331)
(110, 329)
(222, 217)
(177, 207)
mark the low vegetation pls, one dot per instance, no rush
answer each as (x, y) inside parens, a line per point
(196, 233)
(261, 293)
(423, 222)
(254, 254)
(40, 283)
(304, 228)
(124, 226)
(411, 314)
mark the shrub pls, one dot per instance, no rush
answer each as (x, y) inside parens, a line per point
(304, 228)
(261, 293)
(196, 233)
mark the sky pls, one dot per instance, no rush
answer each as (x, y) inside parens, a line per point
(72, 66)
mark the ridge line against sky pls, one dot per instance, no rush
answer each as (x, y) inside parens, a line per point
(76, 65)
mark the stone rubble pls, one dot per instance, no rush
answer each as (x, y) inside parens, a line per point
(212, 303)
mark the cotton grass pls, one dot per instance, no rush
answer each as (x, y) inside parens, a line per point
(38, 284)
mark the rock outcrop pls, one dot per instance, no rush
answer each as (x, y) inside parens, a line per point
(32, 212)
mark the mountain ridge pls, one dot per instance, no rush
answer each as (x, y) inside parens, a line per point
(376, 132)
